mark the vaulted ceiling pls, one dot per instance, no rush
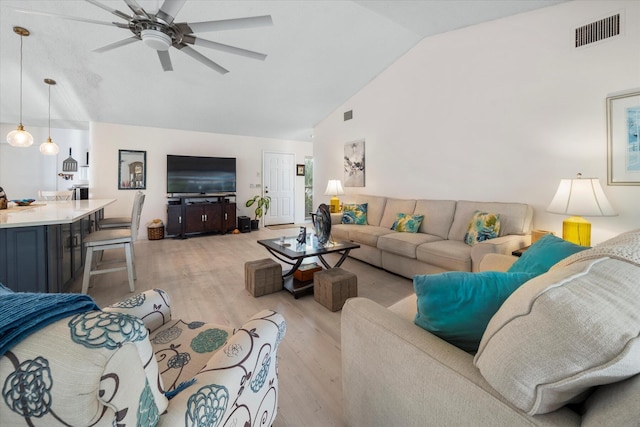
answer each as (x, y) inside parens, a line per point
(320, 53)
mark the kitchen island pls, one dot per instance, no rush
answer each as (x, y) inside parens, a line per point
(41, 245)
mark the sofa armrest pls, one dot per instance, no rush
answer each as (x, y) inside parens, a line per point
(395, 373)
(153, 307)
(241, 378)
(336, 218)
(500, 245)
(496, 262)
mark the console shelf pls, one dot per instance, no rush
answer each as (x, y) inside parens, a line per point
(211, 213)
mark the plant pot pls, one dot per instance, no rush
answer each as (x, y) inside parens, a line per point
(255, 223)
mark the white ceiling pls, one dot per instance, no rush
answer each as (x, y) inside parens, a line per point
(320, 53)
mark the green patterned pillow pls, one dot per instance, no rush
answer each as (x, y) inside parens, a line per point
(354, 214)
(407, 222)
(483, 226)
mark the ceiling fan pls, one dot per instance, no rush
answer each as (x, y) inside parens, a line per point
(159, 31)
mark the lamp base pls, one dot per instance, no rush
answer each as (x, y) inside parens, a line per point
(334, 205)
(577, 230)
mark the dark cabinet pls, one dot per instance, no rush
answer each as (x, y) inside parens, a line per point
(210, 214)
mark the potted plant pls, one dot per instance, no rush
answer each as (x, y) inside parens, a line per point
(262, 206)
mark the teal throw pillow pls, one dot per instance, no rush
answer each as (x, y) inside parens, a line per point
(354, 213)
(544, 254)
(408, 223)
(457, 306)
(483, 226)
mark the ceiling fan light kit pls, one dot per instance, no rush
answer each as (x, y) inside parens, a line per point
(159, 31)
(20, 137)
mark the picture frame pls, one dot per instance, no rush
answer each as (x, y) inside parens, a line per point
(299, 170)
(623, 139)
(354, 164)
(132, 170)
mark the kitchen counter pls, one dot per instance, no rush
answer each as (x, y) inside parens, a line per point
(51, 212)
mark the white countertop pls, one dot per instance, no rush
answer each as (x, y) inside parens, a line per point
(50, 212)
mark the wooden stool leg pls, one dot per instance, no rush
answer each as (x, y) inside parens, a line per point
(130, 268)
(86, 277)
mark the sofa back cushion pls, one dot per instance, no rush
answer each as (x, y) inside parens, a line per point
(393, 207)
(562, 333)
(515, 218)
(438, 216)
(375, 207)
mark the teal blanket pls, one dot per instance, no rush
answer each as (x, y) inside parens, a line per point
(23, 313)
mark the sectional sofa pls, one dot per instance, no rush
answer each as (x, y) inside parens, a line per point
(438, 245)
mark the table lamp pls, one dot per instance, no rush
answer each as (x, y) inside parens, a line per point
(579, 197)
(334, 188)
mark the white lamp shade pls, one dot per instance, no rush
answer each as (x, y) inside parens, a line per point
(581, 197)
(49, 148)
(19, 138)
(334, 188)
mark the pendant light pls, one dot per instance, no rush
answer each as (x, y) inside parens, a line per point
(20, 137)
(49, 148)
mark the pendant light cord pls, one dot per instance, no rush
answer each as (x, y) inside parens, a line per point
(21, 37)
(49, 111)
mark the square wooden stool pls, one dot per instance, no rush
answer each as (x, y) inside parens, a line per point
(333, 287)
(262, 276)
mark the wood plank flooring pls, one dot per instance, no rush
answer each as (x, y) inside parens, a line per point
(204, 277)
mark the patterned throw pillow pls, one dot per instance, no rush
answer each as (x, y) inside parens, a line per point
(354, 214)
(408, 223)
(483, 226)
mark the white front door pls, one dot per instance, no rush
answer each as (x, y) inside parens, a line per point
(278, 175)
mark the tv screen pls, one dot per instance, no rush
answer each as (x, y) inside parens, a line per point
(201, 175)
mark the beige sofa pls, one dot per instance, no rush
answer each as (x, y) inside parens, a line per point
(581, 337)
(438, 245)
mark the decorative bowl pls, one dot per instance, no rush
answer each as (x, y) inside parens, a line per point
(24, 202)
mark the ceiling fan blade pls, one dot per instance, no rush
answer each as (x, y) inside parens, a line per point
(223, 47)
(165, 60)
(108, 9)
(136, 8)
(226, 24)
(169, 10)
(200, 57)
(73, 18)
(116, 44)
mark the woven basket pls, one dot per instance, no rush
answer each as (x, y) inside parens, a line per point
(155, 233)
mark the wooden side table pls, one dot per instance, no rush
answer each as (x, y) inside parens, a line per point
(519, 252)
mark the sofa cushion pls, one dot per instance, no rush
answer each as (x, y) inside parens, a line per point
(483, 226)
(457, 306)
(446, 254)
(438, 216)
(375, 207)
(368, 235)
(562, 333)
(407, 223)
(393, 208)
(515, 218)
(404, 244)
(354, 213)
(544, 253)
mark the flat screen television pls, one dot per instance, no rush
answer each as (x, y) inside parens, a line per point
(200, 175)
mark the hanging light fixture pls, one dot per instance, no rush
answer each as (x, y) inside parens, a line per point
(20, 137)
(49, 148)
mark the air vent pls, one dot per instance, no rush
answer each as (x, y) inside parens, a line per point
(598, 30)
(348, 115)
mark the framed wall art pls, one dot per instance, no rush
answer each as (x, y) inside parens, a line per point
(299, 170)
(623, 139)
(354, 166)
(132, 170)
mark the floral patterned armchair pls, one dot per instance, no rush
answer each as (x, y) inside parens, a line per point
(131, 365)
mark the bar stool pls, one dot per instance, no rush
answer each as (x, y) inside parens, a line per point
(54, 195)
(119, 222)
(103, 240)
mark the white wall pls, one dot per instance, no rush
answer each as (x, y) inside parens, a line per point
(24, 171)
(497, 112)
(107, 139)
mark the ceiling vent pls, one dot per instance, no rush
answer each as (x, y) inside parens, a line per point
(598, 30)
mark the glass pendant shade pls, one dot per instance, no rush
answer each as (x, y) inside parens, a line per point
(49, 148)
(20, 137)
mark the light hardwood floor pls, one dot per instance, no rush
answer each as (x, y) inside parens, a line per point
(204, 277)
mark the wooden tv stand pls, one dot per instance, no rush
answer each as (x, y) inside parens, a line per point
(207, 213)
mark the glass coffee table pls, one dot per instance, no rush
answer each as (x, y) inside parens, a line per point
(289, 251)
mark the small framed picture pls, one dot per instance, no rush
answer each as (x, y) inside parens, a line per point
(300, 170)
(132, 170)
